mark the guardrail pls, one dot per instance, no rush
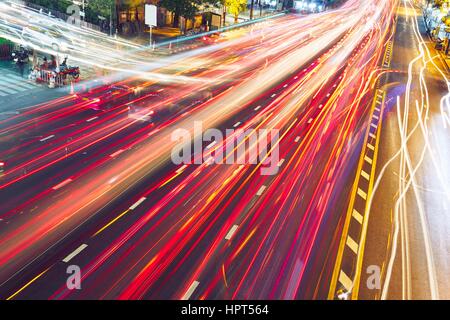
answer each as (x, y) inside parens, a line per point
(49, 77)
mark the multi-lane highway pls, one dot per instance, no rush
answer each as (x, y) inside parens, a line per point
(354, 95)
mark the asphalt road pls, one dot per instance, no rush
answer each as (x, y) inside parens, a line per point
(401, 249)
(89, 181)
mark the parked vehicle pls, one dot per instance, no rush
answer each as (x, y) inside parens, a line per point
(66, 70)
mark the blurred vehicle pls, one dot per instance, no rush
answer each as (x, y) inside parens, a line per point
(309, 6)
(106, 97)
(21, 55)
(140, 111)
(47, 39)
(211, 38)
(65, 70)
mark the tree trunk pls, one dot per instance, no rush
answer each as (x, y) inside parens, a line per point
(236, 18)
(224, 15)
(251, 9)
(176, 19)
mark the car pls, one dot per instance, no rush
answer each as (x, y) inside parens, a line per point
(211, 38)
(141, 112)
(47, 39)
(106, 97)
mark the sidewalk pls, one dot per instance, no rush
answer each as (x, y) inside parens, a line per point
(426, 30)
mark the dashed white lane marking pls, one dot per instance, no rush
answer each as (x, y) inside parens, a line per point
(92, 119)
(62, 184)
(274, 95)
(362, 194)
(211, 144)
(373, 125)
(358, 217)
(310, 120)
(47, 138)
(73, 254)
(372, 135)
(297, 139)
(320, 106)
(352, 244)
(137, 203)
(368, 160)
(371, 147)
(190, 291)
(285, 86)
(280, 163)
(115, 154)
(345, 280)
(377, 109)
(365, 175)
(231, 232)
(237, 124)
(376, 117)
(261, 190)
(296, 77)
(181, 168)
(257, 108)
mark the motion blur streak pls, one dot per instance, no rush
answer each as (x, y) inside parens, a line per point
(295, 74)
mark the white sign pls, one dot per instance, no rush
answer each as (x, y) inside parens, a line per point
(150, 15)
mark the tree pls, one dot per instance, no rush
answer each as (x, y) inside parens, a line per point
(252, 4)
(182, 8)
(96, 8)
(235, 7)
(101, 7)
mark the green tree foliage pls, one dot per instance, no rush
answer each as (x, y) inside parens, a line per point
(181, 8)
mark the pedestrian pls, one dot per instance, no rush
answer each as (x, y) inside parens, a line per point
(53, 63)
(44, 65)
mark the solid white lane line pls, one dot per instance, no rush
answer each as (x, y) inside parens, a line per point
(231, 232)
(73, 254)
(190, 291)
(137, 203)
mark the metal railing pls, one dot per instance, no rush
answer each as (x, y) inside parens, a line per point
(49, 77)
